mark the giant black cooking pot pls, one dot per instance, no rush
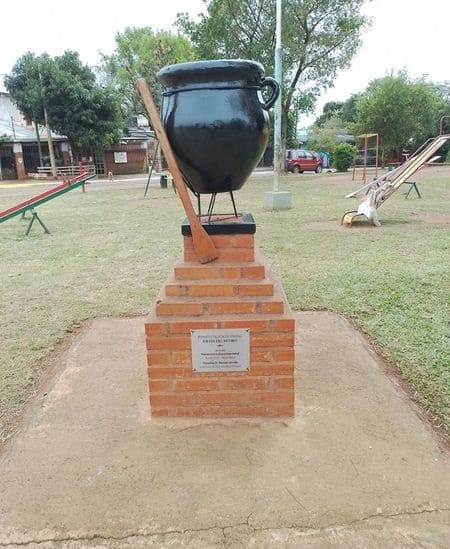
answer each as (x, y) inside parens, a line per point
(216, 120)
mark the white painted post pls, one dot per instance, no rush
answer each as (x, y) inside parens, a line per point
(276, 199)
(277, 165)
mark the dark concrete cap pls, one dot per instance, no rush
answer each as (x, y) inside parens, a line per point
(224, 224)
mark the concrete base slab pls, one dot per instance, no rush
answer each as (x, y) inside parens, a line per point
(277, 200)
(355, 468)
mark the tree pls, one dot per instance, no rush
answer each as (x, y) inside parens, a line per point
(89, 114)
(233, 28)
(24, 85)
(141, 52)
(403, 111)
(319, 38)
(327, 136)
(63, 94)
(348, 110)
(344, 110)
(332, 109)
(25, 88)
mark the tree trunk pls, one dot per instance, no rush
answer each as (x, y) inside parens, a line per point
(50, 145)
(38, 139)
(284, 119)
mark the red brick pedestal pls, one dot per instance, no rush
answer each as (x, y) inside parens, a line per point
(235, 291)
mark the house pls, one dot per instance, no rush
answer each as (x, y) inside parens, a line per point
(19, 152)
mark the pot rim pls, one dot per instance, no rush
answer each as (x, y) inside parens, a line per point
(179, 75)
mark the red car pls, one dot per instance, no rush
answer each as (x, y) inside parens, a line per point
(299, 161)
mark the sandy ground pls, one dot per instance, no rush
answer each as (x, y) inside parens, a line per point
(357, 467)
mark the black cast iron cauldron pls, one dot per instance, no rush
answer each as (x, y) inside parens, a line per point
(216, 120)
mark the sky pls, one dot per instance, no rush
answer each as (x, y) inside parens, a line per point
(405, 34)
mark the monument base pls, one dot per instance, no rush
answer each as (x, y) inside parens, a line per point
(220, 338)
(277, 200)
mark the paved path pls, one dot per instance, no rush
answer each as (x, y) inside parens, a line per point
(355, 468)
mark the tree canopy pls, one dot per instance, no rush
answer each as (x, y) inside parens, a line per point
(24, 86)
(320, 37)
(326, 136)
(88, 114)
(402, 110)
(141, 52)
(330, 110)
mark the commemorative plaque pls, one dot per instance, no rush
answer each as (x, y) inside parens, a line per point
(226, 350)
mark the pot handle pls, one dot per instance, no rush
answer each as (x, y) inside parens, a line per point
(272, 83)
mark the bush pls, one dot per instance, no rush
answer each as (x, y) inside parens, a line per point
(343, 157)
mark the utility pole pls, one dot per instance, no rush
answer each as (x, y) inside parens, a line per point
(13, 128)
(276, 199)
(277, 107)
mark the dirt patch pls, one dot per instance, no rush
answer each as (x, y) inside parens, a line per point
(335, 225)
(44, 371)
(435, 218)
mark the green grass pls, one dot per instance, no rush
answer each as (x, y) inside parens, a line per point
(110, 251)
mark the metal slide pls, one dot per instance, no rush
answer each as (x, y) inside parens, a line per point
(31, 203)
(380, 189)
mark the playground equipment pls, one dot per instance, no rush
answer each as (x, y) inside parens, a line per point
(152, 165)
(381, 188)
(165, 175)
(30, 204)
(366, 157)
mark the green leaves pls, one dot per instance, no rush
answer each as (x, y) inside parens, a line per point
(77, 106)
(319, 37)
(141, 52)
(25, 87)
(402, 110)
(343, 157)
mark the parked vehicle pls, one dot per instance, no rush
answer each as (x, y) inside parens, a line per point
(299, 161)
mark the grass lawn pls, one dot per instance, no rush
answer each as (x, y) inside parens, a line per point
(110, 250)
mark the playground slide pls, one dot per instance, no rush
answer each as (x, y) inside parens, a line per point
(30, 203)
(384, 187)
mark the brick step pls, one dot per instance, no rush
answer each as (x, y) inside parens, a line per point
(193, 270)
(182, 306)
(231, 255)
(156, 326)
(218, 288)
(223, 241)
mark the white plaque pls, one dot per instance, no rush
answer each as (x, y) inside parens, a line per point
(120, 158)
(226, 350)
